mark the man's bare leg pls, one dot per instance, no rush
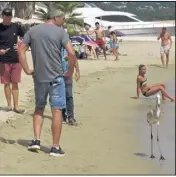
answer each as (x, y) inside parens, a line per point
(104, 51)
(38, 122)
(96, 51)
(15, 93)
(167, 59)
(56, 126)
(7, 91)
(162, 60)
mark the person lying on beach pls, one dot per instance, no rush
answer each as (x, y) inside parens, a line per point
(114, 45)
(149, 90)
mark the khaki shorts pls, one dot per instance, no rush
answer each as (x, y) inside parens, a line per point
(165, 49)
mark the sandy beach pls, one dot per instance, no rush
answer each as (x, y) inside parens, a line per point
(112, 136)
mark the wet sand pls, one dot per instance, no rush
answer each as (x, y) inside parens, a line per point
(105, 142)
(112, 136)
(166, 132)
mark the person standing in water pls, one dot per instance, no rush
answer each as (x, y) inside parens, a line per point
(148, 91)
(100, 38)
(166, 44)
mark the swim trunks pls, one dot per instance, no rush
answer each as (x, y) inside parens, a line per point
(165, 49)
(100, 41)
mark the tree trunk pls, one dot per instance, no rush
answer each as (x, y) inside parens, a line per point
(23, 9)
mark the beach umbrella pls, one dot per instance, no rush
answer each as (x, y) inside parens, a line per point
(77, 39)
(153, 117)
(84, 39)
(31, 21)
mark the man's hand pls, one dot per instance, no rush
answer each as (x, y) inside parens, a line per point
(68, 74)
(3, 52)
(77, 76)
(30, 72)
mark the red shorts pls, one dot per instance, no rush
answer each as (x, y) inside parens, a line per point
(10, 73)
(100, 42)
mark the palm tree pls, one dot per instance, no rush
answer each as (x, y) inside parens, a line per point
(44, 14)
(23, 9)
(72, 21)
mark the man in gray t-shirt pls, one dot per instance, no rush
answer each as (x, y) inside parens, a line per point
(46, 41)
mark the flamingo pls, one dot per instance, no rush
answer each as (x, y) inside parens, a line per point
(153, 117)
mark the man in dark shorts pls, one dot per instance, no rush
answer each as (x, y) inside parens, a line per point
(10, 68)
(46, 42)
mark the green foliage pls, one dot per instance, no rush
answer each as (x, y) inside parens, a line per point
(71, 18)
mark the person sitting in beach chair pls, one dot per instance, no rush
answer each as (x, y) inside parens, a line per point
(149, 90)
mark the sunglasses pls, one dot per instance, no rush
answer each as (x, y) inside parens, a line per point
(7, 14)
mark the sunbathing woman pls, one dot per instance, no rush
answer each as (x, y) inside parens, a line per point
(150, 90)
(113, 43)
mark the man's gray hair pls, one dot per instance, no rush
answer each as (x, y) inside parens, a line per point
(56, 13)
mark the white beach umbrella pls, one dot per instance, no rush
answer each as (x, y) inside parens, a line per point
(30, 21)
(16, 19)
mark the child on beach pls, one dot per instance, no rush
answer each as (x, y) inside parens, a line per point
(149, 90)
(113, 44)
(68, 113)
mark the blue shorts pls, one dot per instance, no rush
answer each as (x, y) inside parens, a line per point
(55, 90)
(116, 46)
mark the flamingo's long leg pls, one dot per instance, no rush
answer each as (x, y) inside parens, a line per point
(152, 156)
(161, 157)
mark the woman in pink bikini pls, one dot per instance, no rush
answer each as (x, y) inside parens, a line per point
(149, 90)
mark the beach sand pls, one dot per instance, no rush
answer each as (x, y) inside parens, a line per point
(112, 136)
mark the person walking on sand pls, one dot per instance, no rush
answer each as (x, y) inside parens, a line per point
(166, 44)
(149, 90)
(46, 41)
(114, 44)
(68, 112)
(10, 68)
(100, 38)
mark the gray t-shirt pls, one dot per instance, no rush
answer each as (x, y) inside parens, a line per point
(46, 42)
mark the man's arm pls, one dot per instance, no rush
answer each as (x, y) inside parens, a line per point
(65, 42)
(170, 41)
(77, 66)
(104, 36)
(22, 58)
(91, 32)
(22, 54)
(71, 58)
(159, 37)
(138, 87)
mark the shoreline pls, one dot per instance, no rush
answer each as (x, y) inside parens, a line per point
(104, 151)
(110, 132)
